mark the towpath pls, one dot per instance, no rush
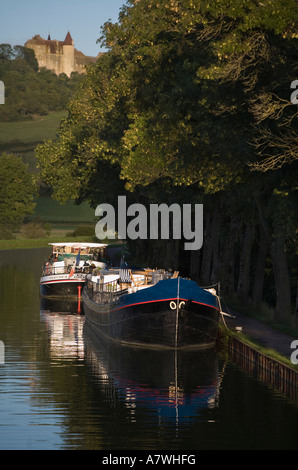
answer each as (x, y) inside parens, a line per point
(262, 333)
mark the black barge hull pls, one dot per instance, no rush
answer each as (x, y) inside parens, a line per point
(65, 289)
(155, 324)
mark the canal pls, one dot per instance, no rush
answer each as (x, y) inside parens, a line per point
(63, 389)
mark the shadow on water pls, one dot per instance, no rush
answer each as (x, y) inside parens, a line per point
(150, 399)
(63, 306)
(63, 388)
(132, 398)
(173, 385)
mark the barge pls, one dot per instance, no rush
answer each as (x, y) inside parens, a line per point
(151, 309)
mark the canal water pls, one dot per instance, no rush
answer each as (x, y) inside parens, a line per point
(63, 389)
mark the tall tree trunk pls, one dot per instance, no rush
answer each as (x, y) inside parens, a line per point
(228, 259)
(207, 253)
(216, 230)
(175, 248)
(296, 306)
(245, 262)
(281, 273)
(195, 259)
(276, 242)
(258, 285)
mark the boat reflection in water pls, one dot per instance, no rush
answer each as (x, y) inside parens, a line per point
(172, 387)
(169, 384)
(64, 322)
(62, 306)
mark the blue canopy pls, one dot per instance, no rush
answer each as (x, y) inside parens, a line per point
(171, 289)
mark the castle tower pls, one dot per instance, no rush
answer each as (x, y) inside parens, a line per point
(59, 56)
(68, 55)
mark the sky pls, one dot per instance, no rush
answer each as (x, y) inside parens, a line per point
(20, 20)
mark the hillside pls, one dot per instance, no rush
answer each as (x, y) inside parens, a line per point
(21, 138)
(35, 103)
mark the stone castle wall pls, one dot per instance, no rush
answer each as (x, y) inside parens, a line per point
(59, 56)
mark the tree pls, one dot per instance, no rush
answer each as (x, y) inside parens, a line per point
(17, 191)
(173, 97)
(31, 92)
(28, 55)
(174, 107)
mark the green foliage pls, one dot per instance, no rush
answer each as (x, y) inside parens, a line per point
(17, 191)
(6, 233)
(82, 231)
(172, 99)
(33, 230)
(188, 100)
(49, 210)
(29, 92)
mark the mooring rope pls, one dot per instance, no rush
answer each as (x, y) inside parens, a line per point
(177, 313)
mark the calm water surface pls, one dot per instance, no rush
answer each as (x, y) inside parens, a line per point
(61, 388)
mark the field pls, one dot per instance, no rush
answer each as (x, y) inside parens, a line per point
(21, 138)
(39, 242)
(31, 131)
(49, 210)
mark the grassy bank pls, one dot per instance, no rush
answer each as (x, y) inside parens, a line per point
(272, 353)
(22, 243)
(49, 210)
(36, 130)
(263, 313)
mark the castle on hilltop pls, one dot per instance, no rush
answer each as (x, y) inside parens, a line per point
(59, 56)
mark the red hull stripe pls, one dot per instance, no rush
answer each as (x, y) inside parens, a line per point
(166, 300)
(62, 281)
